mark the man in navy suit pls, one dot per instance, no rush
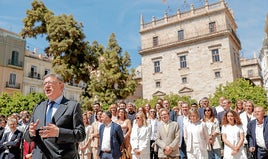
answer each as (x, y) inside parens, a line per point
(257, 134)
(111, 138)
(10, 143)
(56, 125)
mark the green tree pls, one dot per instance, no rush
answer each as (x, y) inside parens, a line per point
(112, 80)
(238, 90)
(18, 102)
(172, 98)
(66, 40)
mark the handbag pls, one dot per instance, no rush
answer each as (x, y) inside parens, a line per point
(125, 153)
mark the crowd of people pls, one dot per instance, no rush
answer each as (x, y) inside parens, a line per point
(185, 131)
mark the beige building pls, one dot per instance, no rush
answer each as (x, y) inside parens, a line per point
(251, 69)
(36, 67)
(22, 70)
(190, 53)
(12, 49)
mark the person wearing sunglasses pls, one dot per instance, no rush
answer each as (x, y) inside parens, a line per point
(213, 128)
(140, 138)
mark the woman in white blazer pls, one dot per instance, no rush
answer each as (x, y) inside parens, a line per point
(140, 138)
(196, 137)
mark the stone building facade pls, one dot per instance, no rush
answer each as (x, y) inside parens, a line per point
(251, 69)
(190, 53)
(12, 50)
(36, 67)
(22, 70)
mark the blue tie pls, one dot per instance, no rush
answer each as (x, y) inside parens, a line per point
(49, 112)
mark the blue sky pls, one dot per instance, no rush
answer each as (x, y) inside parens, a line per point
(122, 17)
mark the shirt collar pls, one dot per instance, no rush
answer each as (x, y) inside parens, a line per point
(109, 125)
(58, 100)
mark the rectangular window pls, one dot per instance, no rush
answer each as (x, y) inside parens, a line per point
(184, 79)
(46, 71)
(156, 66)
(183, 62)
(180, 35)
(157, 84)
(15, 58)
(155, 41)
(33, 71)
(32, 89)
(212, 27)
(217, 74)
(250, 73)
(12, 79)
(215, 55)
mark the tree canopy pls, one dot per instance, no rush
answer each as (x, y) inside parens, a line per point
(103, 69)
(238, 90)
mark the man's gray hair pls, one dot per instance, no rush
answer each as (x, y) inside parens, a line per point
(58, 76)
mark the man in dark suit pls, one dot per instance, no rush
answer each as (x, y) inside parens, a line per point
(226, 104)
(257, 134)
(172, 113)
(204, 104)
(111, 138)
(96, 108)
(10, 143)
(56, 125)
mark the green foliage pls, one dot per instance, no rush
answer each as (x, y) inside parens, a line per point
(104, 70)
(111, 80)
(17, 102)
(72, 56)
(238, 90)
(172, 98)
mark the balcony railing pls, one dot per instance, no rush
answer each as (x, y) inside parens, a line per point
(34, 75)
(15, 63)
(12, 85)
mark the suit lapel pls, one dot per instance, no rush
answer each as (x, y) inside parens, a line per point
(61, 109)
(42, 114)
(14, 136)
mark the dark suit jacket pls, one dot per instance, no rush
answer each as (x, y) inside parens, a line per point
(13, 145)
(1, 132)
(68, 118)
(117, 139)
(251, 135)
(172, 115)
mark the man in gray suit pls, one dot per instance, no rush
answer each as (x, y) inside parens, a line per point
(56, 125)
(167, 137)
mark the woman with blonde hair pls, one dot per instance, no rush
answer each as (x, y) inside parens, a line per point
(113, 110)
(196, 137)
(125, 124)
(140, 138)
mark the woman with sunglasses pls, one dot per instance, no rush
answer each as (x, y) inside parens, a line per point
(213, 128)
(140, 138)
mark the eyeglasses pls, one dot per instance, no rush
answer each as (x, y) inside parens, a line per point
(138, 118)
(207, 110)
(50, 83)
(163, 114)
